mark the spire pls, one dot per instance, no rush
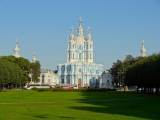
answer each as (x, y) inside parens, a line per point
(126, 54)
(34, 57)
(71, 35)
(89, 35)
(16, 49)
(143, 50)
(80, 29)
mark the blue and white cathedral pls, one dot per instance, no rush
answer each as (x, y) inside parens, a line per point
(80, 70)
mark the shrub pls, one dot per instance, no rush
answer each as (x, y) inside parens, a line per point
(34, 88)
(43, 89)
(73, 90)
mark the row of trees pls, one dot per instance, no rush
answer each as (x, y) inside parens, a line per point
(140, 72)
(145, 74)
(15, 71)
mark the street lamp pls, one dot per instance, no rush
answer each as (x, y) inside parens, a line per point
(120, 75)
(125, 70)
(22, 78)
(118, 80)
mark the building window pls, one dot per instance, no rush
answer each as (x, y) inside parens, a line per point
(90, 82)
(69, 55)
(73, 46)
(80, 56)
(48, 80)
(107, 81)
(62, 81)
(96, 71)
(80, 47)
(68, 81)
(73, 55)
(90, 46)
(90, 55)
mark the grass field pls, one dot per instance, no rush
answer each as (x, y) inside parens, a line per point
(112, 105)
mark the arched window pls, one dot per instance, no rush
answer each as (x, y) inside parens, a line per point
(90, 46)
(73, 46)
(90, 55)
(73, 55)
(80, 47)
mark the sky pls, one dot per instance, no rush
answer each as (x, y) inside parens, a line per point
(43, 26)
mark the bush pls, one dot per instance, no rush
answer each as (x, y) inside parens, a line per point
(43, 89)
(34, 88)
(73, 90)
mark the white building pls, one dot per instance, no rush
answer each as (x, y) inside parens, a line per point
(106, 80)
(47, 77)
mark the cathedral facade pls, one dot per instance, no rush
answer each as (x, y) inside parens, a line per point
(80, 70)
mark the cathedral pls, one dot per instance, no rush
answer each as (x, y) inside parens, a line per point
(80, 70)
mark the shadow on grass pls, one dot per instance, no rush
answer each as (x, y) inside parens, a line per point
(40, 116)
(146, 107)
(65, 117)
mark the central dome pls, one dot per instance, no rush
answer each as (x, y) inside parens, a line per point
(79, 40)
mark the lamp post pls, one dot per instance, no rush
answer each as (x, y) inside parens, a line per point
(120, 75)
(124, 83)
(118, 79)
(22, 78)
(113, 81)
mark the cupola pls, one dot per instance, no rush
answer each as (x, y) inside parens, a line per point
(71, 35)
(16, 49)
(89, 35)
(80, 29)
(143, 50)
(34, 58)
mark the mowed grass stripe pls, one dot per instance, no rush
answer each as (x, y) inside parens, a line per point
(71, 101)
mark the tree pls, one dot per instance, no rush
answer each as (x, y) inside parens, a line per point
(24, 65)
(10, 73)
(35, 68)
(144, 73)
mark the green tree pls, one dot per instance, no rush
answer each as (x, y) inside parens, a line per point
(144, 73)
(23, 63)
(35, 68)
(10, 73)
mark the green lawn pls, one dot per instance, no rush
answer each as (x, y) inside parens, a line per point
(112, 105)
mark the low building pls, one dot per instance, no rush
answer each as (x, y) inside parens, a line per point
(106, 81)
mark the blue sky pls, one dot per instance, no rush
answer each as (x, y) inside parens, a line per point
(43, 26)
